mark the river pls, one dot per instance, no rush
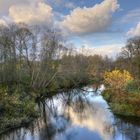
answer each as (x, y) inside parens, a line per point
(76, 115)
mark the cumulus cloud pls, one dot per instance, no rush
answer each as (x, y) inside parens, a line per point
(27, 11)
(90, 20)
(111, 50)
(6, 4)
(30, 14)
(134, 31)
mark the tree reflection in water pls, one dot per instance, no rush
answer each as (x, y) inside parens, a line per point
(75, 115)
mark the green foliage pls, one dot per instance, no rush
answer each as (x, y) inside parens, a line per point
(125, 109)
(123, 103)
(132, 87)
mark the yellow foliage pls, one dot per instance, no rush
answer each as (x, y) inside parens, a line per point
(117, 79)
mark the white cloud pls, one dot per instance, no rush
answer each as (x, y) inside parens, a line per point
(5, 4)
(90, 20)
(134, 31)
(70, 5)
(27, 11)
(38, 13)
(111, 50)
(131, 16)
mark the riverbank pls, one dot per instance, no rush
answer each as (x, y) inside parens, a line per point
(21, 113)
(8, 125)
(123, 104)
(17, 114)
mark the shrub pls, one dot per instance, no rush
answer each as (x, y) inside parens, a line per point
(117, 79)
(132, 87)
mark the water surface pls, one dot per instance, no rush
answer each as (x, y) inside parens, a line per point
(76, 115)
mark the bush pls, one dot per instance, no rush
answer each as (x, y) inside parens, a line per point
(117, 79)
(132, 87)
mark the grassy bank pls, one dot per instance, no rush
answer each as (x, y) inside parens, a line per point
(18, 109)
(122, 103)
(122, 93)
(9, 124)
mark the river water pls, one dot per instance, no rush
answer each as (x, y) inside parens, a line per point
(76, 115)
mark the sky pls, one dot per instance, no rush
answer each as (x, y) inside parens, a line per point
(98, 26)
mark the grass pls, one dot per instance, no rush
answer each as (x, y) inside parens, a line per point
(125, 104)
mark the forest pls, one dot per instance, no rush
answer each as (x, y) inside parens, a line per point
(37, 62)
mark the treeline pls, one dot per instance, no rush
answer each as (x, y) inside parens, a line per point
(37, 57)
(28, 55)
(129, 58)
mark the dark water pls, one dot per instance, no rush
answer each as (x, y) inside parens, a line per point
(76, 115)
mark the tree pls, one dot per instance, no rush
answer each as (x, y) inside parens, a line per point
(131, 57)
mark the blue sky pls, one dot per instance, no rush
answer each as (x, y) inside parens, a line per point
(127, 16)
(100, 24)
